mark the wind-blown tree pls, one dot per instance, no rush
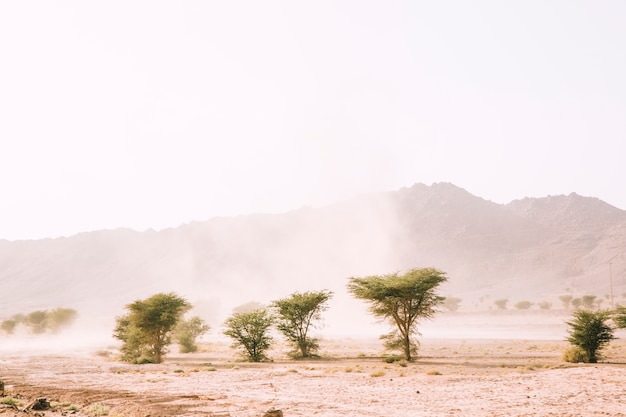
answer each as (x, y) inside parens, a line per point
(590, 332)
(402, 300)
(60, 318)
(296, 316)
(37, 321)
(249, 331)
(9, 325)
(187, 332)
(146, 330)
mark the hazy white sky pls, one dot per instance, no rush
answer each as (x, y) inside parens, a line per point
(150, 113)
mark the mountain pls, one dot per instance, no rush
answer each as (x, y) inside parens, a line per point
(530, 249)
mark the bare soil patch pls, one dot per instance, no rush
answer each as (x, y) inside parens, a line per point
(450, 378)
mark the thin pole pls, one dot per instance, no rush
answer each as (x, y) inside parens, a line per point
(611, 282)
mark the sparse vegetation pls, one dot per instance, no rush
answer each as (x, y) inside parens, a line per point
(37, 321)
(297, 314)
(146, 330)
(575, 354)
(249, 332)
(8, 326)
(566, 300)
(451, 303)
(41, 321)
(402, 300)
(523, 305)
(588, 301)
(11, 401)
(98, 410)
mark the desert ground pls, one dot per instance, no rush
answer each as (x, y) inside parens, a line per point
(451, 377)
(477, 364)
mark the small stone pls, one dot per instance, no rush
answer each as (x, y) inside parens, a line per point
(272, 412)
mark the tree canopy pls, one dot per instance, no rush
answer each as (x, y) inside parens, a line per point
(402, 300)
(187, 332)
(297, 314)
(249, 331)
(590, 332)
(146, 330)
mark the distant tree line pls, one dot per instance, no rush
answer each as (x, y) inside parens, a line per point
(403, 300)
(40, 321)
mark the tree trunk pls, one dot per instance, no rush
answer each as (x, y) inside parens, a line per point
(407, 347)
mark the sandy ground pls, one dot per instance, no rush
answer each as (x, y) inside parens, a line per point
(452, 377)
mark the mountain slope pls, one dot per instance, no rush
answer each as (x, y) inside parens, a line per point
(532, 249)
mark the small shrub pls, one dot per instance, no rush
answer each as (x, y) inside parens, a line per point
(433, 372)
(575, 355)
(523, 305)
(377, 374)
(544, 305)
(98, 410)
(403, 363)
(13, 402)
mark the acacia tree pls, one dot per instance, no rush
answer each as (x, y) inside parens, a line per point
(146, 330)
(297, 314)
(187, 332)
(249, 331)
(403, 300)
(590, 332)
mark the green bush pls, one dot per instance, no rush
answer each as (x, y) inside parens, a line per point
(590, 332)
(575, 355)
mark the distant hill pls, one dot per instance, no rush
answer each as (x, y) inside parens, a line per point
(530, 249)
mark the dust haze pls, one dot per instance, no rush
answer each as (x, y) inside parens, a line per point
(225, 262)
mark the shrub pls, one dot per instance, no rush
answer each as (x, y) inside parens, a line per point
(13, 402)
(566, 300)
(575, 354)
(452, 303)
(523, 305)
(545, 305)
(98, 410)
(37, 321)
(501, 303)
(8, 325)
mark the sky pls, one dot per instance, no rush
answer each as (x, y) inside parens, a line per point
(150, 114)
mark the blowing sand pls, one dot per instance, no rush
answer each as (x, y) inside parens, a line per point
(451, 377)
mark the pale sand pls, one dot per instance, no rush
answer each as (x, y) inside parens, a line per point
(450, 378)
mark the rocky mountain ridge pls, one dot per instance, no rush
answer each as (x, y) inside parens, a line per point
(533, 248)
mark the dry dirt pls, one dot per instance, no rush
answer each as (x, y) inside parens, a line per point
(450, 378)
